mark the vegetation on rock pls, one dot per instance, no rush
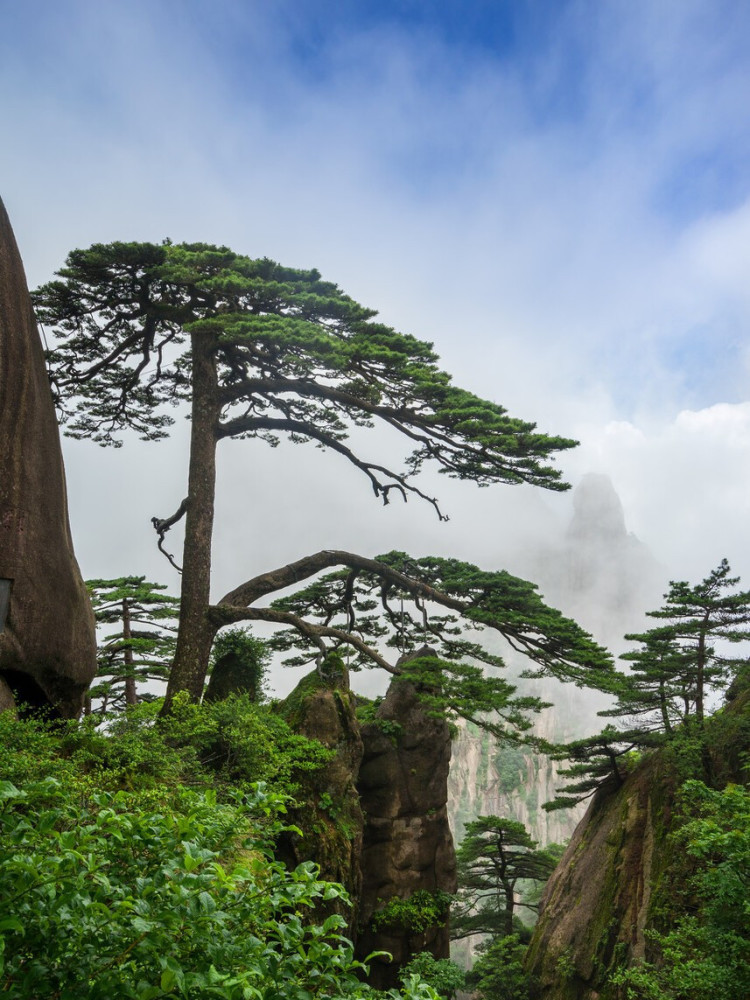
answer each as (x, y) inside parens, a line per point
(120, 881)
(678, 669)
(646, 865)
(705, 955)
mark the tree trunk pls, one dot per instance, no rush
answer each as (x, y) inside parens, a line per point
(131, 697)
(510, 905)
(196, 632)
(664, 710)
(699, 679)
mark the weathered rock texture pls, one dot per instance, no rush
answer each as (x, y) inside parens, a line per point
(48, 647)
(621, 874)
(595, 906)
(598, 573)
(330, 818)
(407, 839)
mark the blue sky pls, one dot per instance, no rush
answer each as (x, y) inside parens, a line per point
(556, 193)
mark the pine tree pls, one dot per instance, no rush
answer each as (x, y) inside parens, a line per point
(142, 646)
(494, 857)
(262, 351)
(596, 761)
(699, 622)
(678, 666)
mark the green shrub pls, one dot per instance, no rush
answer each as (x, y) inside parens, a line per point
(444, 976)
(706, 954)
(232, 743)
(421, 911)
(498, 973)
(154, 893)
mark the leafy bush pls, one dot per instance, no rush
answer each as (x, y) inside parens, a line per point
(421, 911)
(253, 654)
(152, 894)
(498, 974)
(706, 956)
(232, 743)
(444, 976)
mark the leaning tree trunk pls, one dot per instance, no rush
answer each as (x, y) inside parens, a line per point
(196, 632)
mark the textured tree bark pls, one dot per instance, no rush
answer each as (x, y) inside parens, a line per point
(48, 643)
(131, 695)
(196, 630)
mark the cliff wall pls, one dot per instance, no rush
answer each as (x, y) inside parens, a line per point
(47, 640)
(622, 874)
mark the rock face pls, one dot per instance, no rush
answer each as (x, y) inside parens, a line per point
(330, 818)
(622, 875)
(229, 676)
(595, 906)
(408, 846)
(47, 645)
(603, 577)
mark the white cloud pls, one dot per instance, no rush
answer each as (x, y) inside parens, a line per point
(685, 485)
(540, 222)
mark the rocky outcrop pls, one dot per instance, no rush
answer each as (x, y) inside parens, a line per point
(596, 904)
(47, 641)
(408, 847)
(231, 675)
(622, 874)
(329, 814)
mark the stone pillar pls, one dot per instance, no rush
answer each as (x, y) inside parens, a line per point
(408, 847)
(328, 811)
(47, 640)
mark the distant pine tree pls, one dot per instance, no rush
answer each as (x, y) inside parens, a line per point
(494, 857)
(677, 668)
(141, 647)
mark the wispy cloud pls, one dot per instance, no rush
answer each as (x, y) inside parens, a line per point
(561, 203)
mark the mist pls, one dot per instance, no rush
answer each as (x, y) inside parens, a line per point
(562, 208)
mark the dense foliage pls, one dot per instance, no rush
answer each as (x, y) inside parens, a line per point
(444, 976)
(239, 664)
(498, 972)
(706, 954)
(416, 914)
(154, 890)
